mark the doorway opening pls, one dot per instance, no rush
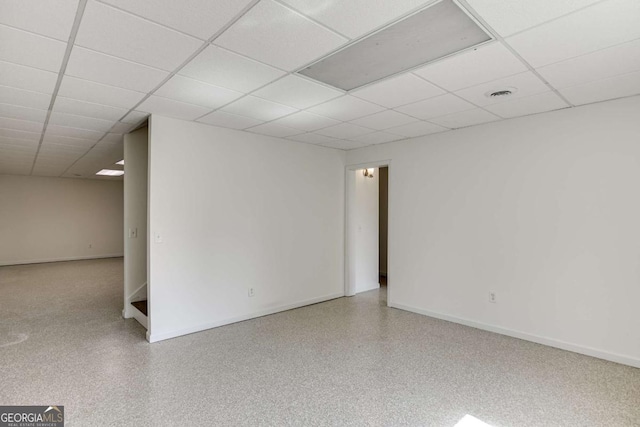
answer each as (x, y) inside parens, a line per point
(367, 257)
(136, 247)
(383, 224)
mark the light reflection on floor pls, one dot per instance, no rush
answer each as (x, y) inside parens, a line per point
(471, 421)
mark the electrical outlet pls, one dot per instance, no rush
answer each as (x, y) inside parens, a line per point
(251, 292)
(493, 297)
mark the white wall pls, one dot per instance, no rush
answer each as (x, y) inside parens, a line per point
(57, 219)
(135, 217)
(366, 232)
(234, 211)
(544, 210)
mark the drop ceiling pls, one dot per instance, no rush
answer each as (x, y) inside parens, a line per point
(75, 76)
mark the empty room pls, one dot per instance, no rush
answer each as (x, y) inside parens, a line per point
(320, 213)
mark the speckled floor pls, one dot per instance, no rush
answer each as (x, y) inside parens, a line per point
(350, 361)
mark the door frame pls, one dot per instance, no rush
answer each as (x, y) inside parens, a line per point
(350, 227)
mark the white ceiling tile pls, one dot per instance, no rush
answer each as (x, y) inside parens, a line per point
(21, 144)
(229, 120)
(438, 106)
(354, 18)
(345, 145)
(415, 129)
(13, 169)
(597, 27)
(57, 156)
(344, 131)
(384, 120)
(114, 32)
(24, 98)
(100, 68)
(51, 167)
(346, 108)
(28, 78)
(58, 163)
(17, 157)
(230, 70)
(465, 118)
(274, 129)
(508, 17)
(53, 129)
(377, 138)
(196, 92)
(525, 84)
(112, 138)
(200, 18)
(82, 122)
(98, 93)
(23, 152)
(278, 36)
(535, 104)
(601, 90)
(297, 92)
(32, 50)
(121, 128)
(88, 109)
(23, 125)
(258, 108)
(135, 117)
(20, 134)
(52, 19)
(620, 59)
(22, 113)
(399, 90)
(312, 138)
(11, 155)
(62, 149)
(475, 66)
(306, 121)
(169, 107)
(66, 140)
(48, 172)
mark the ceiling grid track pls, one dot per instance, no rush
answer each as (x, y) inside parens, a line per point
(501, 39)
(63, 68)
(262, 71)
(173, 73)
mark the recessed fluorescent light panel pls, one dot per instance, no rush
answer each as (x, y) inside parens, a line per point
(439, 30)
(121, 162)
(110, 172)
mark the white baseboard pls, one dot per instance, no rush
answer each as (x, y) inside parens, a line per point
(369, 288)
(576, 348)
(173, 334)
(73, 258)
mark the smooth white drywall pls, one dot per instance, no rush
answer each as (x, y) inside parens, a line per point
(135, 217)
(59, 219)
(236, 210)
(366, 231)
(543, 210)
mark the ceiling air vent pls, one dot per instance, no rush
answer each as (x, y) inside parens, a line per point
(501, 93)
(439, 30)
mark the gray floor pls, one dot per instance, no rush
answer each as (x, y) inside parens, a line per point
(350, 361)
